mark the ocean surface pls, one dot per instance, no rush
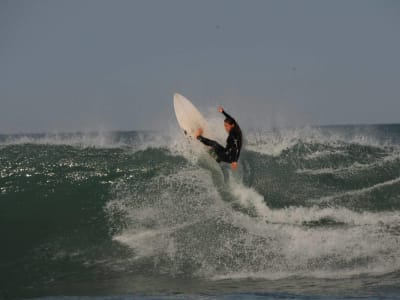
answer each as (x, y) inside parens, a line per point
(311, 213)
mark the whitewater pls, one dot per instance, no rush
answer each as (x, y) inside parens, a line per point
(310, 212)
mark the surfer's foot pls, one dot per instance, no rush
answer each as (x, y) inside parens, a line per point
(198, 132)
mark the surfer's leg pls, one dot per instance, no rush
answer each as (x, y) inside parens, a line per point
(210, 143)
(220, 153)
(223, 157)
(217, 151)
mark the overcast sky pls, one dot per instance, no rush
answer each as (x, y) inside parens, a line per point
(84, 65)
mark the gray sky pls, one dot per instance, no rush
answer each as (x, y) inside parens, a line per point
(84, 65)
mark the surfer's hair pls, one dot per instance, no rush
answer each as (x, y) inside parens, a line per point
(229, 121)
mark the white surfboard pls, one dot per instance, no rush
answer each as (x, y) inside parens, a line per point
(189, 117)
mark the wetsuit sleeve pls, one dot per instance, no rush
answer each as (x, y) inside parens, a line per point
(229, 117)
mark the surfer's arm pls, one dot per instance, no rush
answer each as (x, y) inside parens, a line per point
(221, 110)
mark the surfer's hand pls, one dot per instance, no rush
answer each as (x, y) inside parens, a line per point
(198, 132)
(220, 109)
(234, 165)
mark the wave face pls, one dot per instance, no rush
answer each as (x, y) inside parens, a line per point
(131, 212)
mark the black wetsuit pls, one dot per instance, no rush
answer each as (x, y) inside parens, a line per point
(231, 152)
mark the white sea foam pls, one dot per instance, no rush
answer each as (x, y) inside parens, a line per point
(101, 139)
(84, 139)
(355, 167)
(173, 216)
(273, 142)
(360, 246)
(188, 218)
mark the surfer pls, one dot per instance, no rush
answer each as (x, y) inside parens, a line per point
(231, 152)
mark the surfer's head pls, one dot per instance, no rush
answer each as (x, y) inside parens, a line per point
(229, 124)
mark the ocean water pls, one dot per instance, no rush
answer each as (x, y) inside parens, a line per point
(311, 213)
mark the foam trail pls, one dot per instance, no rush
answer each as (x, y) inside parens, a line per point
(188, 220)
(273, 244)
(247, 197)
